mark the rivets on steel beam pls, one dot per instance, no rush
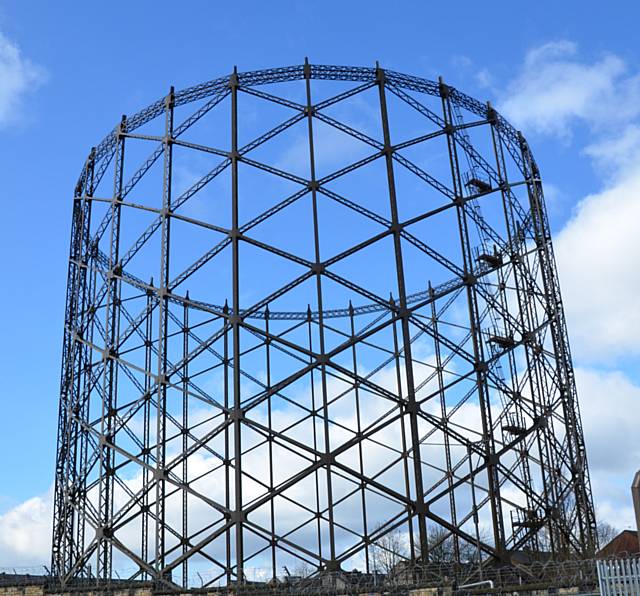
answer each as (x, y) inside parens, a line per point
(443, 88)
(469, 279)
(236, 415)
(481, 367)
(492, 459)
(160, 473)
(492, 115)
(419, 508)
(234, 319)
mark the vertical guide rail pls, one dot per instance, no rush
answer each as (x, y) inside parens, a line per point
(63, 551)
(110, 370)
(419, 509)
(272, 512)
(403, 432)
(80, 412)
(163, 332)
(316, 472)
(235, 322)
(84, 386)
(445, 422)
(577, 455)
(332, 564)
(488, 439)
(227, 453)
(474, 504)
(516, 241)
(146, 429)
(185, 442)
(78, 434)
(356, 388)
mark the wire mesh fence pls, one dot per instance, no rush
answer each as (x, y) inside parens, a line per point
(574, 576)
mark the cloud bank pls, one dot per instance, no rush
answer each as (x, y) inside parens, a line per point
(18, 76)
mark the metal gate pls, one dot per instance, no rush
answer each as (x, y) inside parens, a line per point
(619, 576)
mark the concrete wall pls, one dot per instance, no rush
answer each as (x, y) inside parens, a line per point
(40, 591)
(21, 591)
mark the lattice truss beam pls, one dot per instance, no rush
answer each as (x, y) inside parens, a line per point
(309, 308)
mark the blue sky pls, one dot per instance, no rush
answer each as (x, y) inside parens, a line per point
(567, 73)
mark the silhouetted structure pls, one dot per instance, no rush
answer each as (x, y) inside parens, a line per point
(310, 308)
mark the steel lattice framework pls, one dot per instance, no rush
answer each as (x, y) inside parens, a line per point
(310, 308)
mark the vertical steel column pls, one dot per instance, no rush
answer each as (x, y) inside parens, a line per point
(272, 512)
(403, 432)
(356, 388)
(528, 323)
(146, 422)
(315, 436)
(445, 422)
(577, 456)
(227, 451)
(411, 407)
(475, 327)
(237, 413)
(185, 439)
(551, 455)
(62, 554)
(81, 409)
(163, 340)
(474, 504)
(110, 372)
(332, 564)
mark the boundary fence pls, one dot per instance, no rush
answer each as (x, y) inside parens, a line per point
(619, 577)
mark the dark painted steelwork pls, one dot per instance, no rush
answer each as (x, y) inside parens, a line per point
(472, 441)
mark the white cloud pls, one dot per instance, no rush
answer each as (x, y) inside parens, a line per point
(332, 149)
(610, 407)
(484, 78)
(25, 533)
(616, 155)
(18, 75)
(597, 254)
(555, 88)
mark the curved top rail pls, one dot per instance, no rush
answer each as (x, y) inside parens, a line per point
(102, 154)
(104, 150)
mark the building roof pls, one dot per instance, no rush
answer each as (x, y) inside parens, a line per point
(625, 543)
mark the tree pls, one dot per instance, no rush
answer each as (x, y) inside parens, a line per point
(389, 551)
(442, 549)
(441, 546)
(605, 532)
